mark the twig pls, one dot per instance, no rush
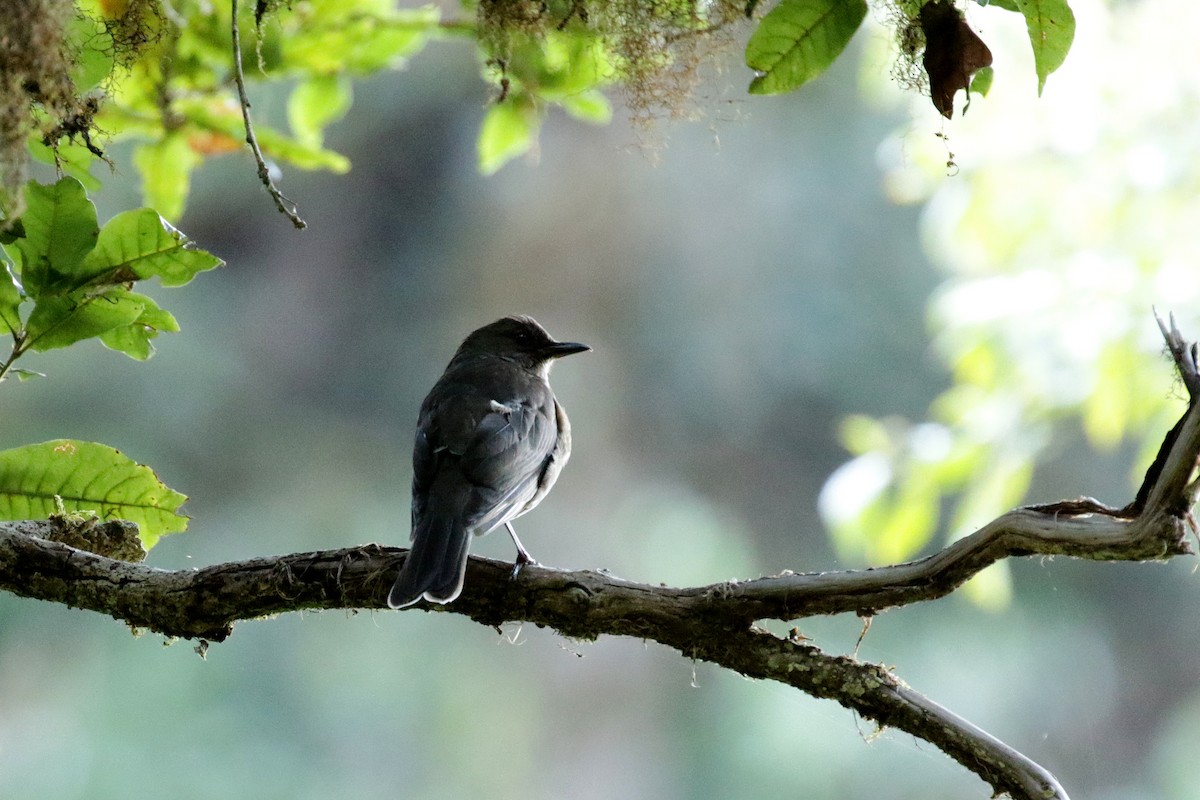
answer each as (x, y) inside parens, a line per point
(20, 343)
(285, 206)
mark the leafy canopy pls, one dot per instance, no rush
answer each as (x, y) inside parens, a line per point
(90, 72)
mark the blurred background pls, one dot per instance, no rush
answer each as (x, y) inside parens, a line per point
(758, 276)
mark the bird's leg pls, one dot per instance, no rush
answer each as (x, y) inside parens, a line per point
(523, 556)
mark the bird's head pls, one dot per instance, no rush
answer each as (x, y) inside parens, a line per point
(519, 339)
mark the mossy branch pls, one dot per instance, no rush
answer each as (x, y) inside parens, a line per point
(712, 623)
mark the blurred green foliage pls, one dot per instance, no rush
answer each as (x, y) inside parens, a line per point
(1056, 249)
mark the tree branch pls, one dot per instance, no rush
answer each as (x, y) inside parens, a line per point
(712, 623)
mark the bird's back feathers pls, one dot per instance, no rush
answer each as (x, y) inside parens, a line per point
(487, 449)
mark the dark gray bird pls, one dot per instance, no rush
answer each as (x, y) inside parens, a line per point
(491, 440)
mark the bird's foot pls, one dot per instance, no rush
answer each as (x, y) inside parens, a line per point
(523, 558)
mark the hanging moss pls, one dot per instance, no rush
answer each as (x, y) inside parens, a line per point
(655, 47)
(48, 47)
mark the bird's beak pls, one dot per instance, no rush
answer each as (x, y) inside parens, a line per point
(560, 349)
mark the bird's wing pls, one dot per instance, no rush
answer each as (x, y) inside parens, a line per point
(506, 458)
(499, 446)
(425, 468)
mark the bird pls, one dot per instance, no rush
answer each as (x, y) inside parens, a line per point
(491, 440)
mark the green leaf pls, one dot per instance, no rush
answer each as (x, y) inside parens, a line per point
(94, 53)
(60, 230)
(87, 477)
(565, 65)
(71, 158)
(10, 299)
(58, 321)
(1051, 26)
(509, 130)
(9, 231)
(139, 244)
(227, 122)
(333, 36)
(134, 339)
(590, 106)
(316, 103)
(299, 154)
(798, 40)
(166, 167)
(981, 84)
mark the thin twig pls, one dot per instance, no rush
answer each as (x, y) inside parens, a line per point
(20, 344)
(285, 206)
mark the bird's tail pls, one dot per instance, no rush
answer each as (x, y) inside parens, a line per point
(436, 564)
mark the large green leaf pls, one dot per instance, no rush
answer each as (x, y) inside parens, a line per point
(798, 40)
(1051, 25)
(139, 244)
(60, 230)
(60, 321)
(87, 476)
